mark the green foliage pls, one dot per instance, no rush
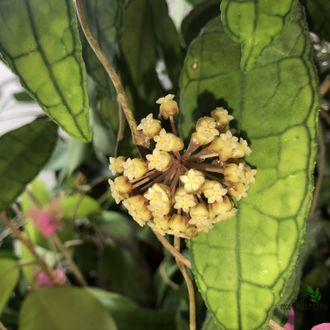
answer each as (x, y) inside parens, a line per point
(251, 256)
(129, 316)
(41, 45)
(24, 152)
(9, 274)
(78, 310)
(262, 21)
(318, 13)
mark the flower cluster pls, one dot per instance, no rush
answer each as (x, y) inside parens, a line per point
(182, 191)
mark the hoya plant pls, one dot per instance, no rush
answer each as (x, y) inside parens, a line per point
(181, 138)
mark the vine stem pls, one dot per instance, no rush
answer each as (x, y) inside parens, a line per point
(78, 275)
(190, 287)
(171, 249)
(29, 245)
(138, 137)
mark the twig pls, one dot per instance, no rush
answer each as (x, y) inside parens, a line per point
(121, 130)
(274, 325)
(23, 263)
(170, 248)
(325, 115)
(2, 327)
(322, 163)
(325, 86)
(190, 287)
(138, 137)
(79, 276)
(166, 278)
(24, 240)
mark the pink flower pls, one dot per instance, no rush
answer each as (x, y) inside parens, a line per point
(322, 326)
(290, 324)
(47, 218)
(44, 280)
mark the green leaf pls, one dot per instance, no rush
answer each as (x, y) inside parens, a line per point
(255, 24)
(130, 316)
(23, 96)
(79, 206)
(251, 256)
(104, 19)
(209, 323)
(9, 274)
(310, 290)
(40, 43)
(23, 152)
(318, 13)
(197, 18)
(168, 39)
(64, 308)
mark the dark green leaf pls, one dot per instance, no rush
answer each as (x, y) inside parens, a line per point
(129, 316)
(40, 42)
(138, 48)
(9, 274)
(23, 96)
(318, 14)
(251, 256)
(255, 24)
(210, 323)
(23, 152)
(61, 308)
(197, 18)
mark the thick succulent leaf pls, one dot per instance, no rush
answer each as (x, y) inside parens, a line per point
(40, 42)
(251, 256)
(255, 24)
(9, 274)
(23, 152)
(318, 14)
(197, 18)
(130, 316)
(64, 308)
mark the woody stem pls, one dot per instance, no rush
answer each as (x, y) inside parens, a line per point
(138, 137)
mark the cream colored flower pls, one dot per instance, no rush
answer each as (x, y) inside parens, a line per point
(120, 188)
(168, 142)
(200, 217)
(116, 165)
(222, 117)
(238, 190)
(192, 180)
(136, 206)
(222, 210)
(213, 191)
(158, 160)
(168, 107)
(161, 224)
(207, 127)
(135, 168)
(150, 126)
(183, 200)
(178, 224)
(159, 199)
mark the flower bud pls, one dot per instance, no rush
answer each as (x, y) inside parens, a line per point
(161, 224)
(122, 184)
(136, 207)
(201, 139)
(116, 165)
(238, 190)
(149, 126)
(168, 107)
(233, 173)
(135, 168)
(221, 117)
(221, 207)
(178, 224)
(200, 217)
